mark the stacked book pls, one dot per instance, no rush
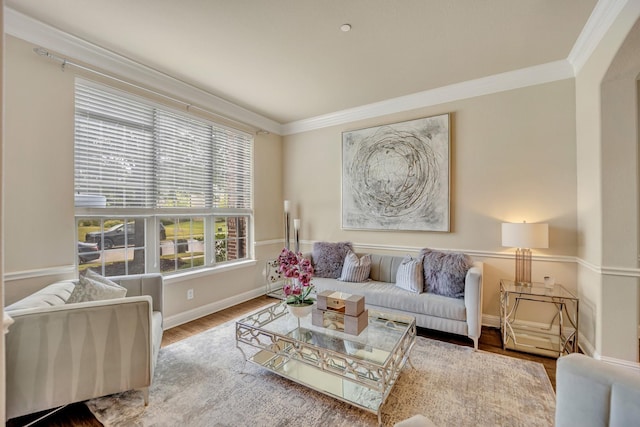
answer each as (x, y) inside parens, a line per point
(341, 312)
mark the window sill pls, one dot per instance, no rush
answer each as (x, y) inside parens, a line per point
(189, 275)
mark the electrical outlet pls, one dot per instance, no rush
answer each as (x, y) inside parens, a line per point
(190, 294)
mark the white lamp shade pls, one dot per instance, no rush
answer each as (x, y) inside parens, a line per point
(525, 235)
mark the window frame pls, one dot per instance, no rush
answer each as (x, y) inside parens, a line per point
(153, 215)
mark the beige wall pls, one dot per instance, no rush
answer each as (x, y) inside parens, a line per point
(39, 161)
(607, 158)
(39, 202)
(2, 364)
(513, 159)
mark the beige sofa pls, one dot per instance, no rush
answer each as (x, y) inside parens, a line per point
(462, 316)
(59, 353)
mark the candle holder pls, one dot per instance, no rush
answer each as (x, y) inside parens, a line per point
(286, 224)
(296, 234)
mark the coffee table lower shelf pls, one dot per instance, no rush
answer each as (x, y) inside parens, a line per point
(337, 386)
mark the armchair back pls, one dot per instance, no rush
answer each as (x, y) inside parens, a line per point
(59, 353)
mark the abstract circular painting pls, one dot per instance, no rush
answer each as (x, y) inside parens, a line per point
(396, 176)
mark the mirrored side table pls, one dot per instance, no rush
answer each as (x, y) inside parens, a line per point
(558, 337)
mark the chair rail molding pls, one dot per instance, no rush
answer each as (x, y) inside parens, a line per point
(63, 270)
(609, 270)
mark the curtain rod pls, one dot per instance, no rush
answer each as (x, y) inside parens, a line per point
(188, 106)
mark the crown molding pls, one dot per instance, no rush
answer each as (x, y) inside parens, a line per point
(604, 14)
(26, 28)
(531, 76)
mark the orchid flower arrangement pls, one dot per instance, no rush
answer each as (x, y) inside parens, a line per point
(299, 271)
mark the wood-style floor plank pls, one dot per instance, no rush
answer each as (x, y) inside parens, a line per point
(78, 414)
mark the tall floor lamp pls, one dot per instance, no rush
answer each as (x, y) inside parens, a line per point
(524, 236)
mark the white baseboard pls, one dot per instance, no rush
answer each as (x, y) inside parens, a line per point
(205, 310)
(491, 321)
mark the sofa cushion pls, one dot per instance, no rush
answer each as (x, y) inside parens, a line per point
(328, 258)
(387, 295)
(384, 268)
(54, 294)
(409, 275)
(445, 272)
(93, 290)
(356, 269)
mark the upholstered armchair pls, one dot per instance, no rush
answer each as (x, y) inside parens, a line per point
(58, 353)
(593, 393)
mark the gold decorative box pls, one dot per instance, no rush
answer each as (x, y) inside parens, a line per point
(350, 305)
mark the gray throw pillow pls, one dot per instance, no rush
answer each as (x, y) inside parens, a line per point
(355, 269)
(328, 258)
(92, 290)
(445, 272)
(100, 278)
(409, 275)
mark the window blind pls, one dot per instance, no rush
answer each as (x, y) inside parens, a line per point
(113, 148)
(232, 170)
(140, 156)
(185, 161)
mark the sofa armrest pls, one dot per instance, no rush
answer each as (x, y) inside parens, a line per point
(73, 352)
(594, 393)
(144, 284)
(473, 300)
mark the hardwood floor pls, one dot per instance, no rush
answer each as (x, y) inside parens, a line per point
(78, 414)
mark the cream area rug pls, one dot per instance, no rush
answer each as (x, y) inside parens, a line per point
(202, 381)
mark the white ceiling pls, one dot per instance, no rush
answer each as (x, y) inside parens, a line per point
(287, 60)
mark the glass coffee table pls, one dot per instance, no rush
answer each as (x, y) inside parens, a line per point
(357, 369)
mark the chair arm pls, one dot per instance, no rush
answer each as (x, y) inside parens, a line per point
(473, 299)
(73, 352)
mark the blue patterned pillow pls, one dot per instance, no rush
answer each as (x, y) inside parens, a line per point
(409, 276)
(355, 269)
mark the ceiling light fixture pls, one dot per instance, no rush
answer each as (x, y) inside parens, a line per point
(345, 28)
